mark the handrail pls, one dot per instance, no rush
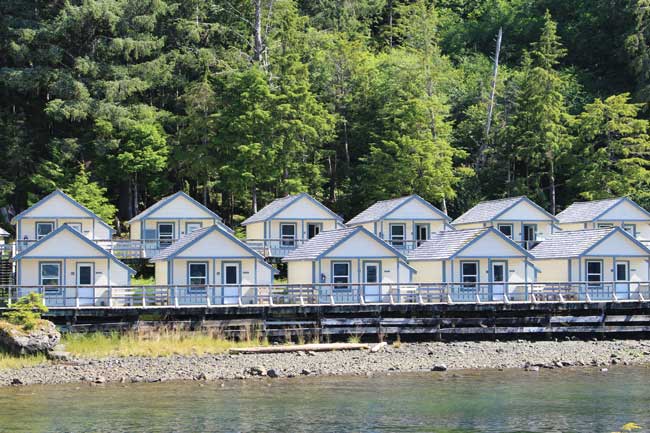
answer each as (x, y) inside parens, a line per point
(328, 293)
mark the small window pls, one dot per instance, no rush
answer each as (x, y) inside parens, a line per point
(341, 275)
(397, 234)
(288, 235)
(75, 226)
(190, 227)
(50, 274)
(506, 229)
(594, 273)
(630, 228)
(621, 272)
(605, 225)
(165, 234)
(198, 274)
(313, 230)
(469, 274)
(43, 229)
(231, 274)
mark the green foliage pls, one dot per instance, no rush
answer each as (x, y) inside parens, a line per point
(26, 312)
(91, 195)
(351, 101)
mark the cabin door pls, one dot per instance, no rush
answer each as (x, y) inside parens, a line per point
(231, 283)
(499, 280)
(622, 277)
(371, 286)
(85, 283)
(421, 233)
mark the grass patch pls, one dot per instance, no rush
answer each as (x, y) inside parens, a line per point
(143, 281)
(152, 344)
(9, 361)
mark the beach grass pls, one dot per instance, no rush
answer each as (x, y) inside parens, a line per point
(152, 344)
(10, 361)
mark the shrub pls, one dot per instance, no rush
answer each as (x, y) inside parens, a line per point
(26, 312)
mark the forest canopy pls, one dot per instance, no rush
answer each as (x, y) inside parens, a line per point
(121, 102)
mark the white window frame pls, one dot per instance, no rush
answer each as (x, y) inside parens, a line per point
(50, 288)
(337, 277)
(588, 274)
(287, 240)
(204, 279)
(198, 226)
(475, 275)
(510, 226)
(318, 227)
(397, 240)
(166, 240)
(39, 236)
(628, 227)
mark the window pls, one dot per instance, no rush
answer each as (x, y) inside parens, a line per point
(594, 273)
(190, 227)
(341, 275)
(198, 274)
(43, 229)
(469, 273)
(313, 230)
(50, 274)
(630, 228)
(506, 229)
(397, 232)
(75, 226)
(605, 225)
(421, 233)
(530, 235)
(622, 272)
(288, 235)
(165, 234)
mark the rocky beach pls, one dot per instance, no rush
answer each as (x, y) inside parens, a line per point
(390, 359)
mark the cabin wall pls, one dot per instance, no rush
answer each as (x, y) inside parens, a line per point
(300, 272)
(26, 227)
(301, 227)
(160, 273)
(383, 227)
(182, 208)
(555, 270)
(255, 231)
(251, 273)
(428, 271)
(179, 226)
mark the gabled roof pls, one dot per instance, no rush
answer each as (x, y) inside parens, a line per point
(325, 241)
(279, 204)
(58, 192)
(446, 245)
(575, 243)
(63, 249)
(190, 239)
(490, 210)
(3, 233)
(165, 200)
(384, 207)
(587, 211)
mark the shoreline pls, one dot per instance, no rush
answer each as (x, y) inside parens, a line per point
(405, 357)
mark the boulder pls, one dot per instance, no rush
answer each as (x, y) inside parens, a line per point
(272, 373)
(439, 367)
(43, 338)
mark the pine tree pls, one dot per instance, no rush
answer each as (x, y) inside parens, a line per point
(91, 195)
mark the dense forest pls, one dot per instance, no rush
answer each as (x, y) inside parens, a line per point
(237, 102)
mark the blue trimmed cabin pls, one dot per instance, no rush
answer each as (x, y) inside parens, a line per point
(288, 222)
(211, 264)
(348, 264)
(519, 218)
(474, 264)
(70, 269)
(169, 219)
(600, 263)
(616, 212)
(52, 212)
(403, 222)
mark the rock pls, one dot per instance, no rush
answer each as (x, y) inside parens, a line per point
(257, 371)
(15, 381)
(305, 372)
(201, 376)
(439, 367)
(100, 379)
(42, 339)
(377, 347)
(57, 355)
(604, 370)
(311, 353)
(272, 373)
(532, 368)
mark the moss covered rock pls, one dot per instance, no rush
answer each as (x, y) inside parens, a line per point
(42, 338)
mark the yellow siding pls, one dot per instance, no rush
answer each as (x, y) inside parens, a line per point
(27, 227)
(384, 227)
(255, 231)
(429, 271)
(161, 273)
(299, 272)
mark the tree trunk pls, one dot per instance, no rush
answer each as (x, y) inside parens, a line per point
(552, 180)
(258, 48)
(254, 197)
(480, 159)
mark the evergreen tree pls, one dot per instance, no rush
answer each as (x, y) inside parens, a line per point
(91, 195)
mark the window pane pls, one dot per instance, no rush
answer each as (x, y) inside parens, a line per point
(621, 272)
(341, 269)
(371, 274)
(397, 230)
(85, 275)
(593, 267)
(43, 229)
(469, 269)
(288, 229)
(198, 270)
(165, 229)
(497, 273)
(506, 230)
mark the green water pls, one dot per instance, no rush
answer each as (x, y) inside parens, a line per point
(510, 401)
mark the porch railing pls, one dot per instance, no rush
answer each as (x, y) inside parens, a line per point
(121, 248)
(272, 247)
(327, 294)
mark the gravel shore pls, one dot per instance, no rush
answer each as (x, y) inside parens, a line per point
(407, 357)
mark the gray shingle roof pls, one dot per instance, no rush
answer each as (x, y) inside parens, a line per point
(280, 203)
(443, 245)
(382, 208)
(271, 208)
(565, 244)
(320, 243)
(4, 233)
(586, 211)
(486, 210)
